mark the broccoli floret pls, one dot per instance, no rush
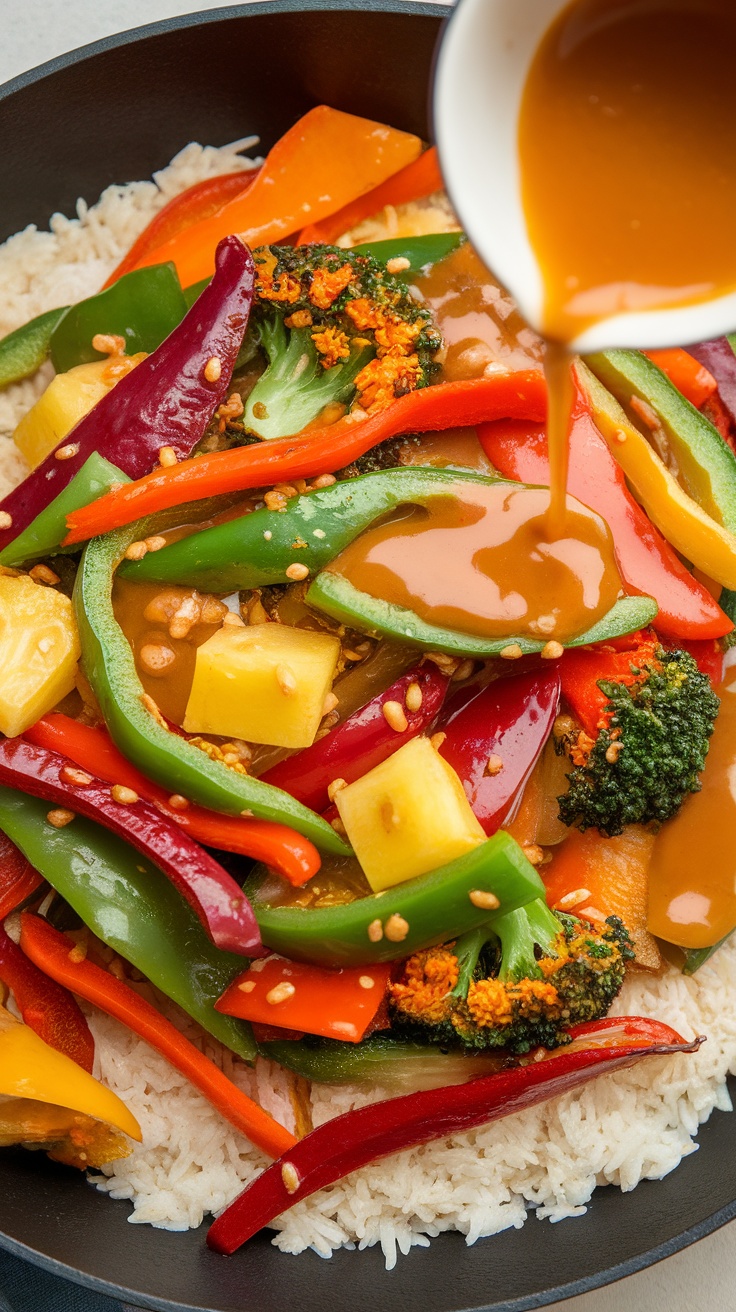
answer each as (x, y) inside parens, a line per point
(339, 333)
(519, 986)
(650, 749)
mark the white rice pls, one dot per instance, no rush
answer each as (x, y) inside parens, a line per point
(619, 1129)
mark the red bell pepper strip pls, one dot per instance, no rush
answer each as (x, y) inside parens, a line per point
(360, 742)
(278, 846)
(581, 669)
(337, 1004)
(507, 722)
(57, 957)
(47, 1007)
(213, 894)
(710, 659)
(316, 451)
(18, 879)
(420, 178)
(166, 401)
(367, 1134)
(687, 373)
(199, 202)
(647, 563)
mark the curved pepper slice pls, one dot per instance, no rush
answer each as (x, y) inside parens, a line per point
(142, 308)
(18, 879)
(24, 350)
(47, 1007)
(369, 1133)
(44, 534)
(337, 1004)
(423, 911)
(212, 893)
(138, 729)
(420, 178)
(360, 742)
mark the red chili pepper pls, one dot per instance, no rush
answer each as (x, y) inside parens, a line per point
(167, 400)
(509, 720)
(18, 879)
(194, 205)
(647, 562)
(58, 957)
(580, 671)
(278, 846)
(360, 742)
(316, 451)
(689, 376)
(367, 1134)
(213, 894)
(47, 1007)
(337, 1004)
(420, 178)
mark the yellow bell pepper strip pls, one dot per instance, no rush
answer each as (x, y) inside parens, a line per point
(461, 404)
(48, 1008)
(54, 953)
(30, 1068)
(320, 164)
(708, 545)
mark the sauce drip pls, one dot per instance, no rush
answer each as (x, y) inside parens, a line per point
(479, 560)
(692, 879)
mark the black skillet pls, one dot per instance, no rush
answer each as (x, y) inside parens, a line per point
(119, 110)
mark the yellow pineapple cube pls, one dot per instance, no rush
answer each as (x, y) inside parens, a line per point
(67, 399)
(266, 683)
(407, 816)
(39, 650)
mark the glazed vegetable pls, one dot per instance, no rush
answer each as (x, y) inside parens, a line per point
(320, 164)
(318, 451)
(420, 178)
(353, 1140)
(336, 331)
(406, 918)
(152, 926)
(44, 534)
(686, 373)
(363, 740)
(281, 848)
(494, 735)
(646, 561)
(18, 880)
(137, 728)
(415, 254)
(141, 307)
(517, 984)
(339, 1004)
(718, 356)
(212, 893)
(45, 1006)
(51, 952)
(166, 401)
(382, 1059)
(24, 350)
(647, 756)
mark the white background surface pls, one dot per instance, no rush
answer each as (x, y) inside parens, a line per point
(704, 1277)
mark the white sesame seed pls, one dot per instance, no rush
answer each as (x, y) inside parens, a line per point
(512, 652)
(6, 520)
(67, 452)
(366, 982)
(318, 533)
(280, 993)
(398, 264)
(59, 817)
(395, 716)
(297, 571)
(136, 551)
(375, 931)
(494, 765)
(290, 1177)
(414, 697)
(573, 899)
(213, 369)
(552, 651)
(69, 774)
(125, 796)
(286, 679)
(247, 986)
(396, 928)
(484, 899)
(166, 456)
(268, 535)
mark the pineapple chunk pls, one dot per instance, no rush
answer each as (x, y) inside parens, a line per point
(266, 683)
(67, 399)
(407, 816)
(39, 650)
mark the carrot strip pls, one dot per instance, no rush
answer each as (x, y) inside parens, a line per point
(420, 178)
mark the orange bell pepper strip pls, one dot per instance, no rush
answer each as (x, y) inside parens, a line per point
(57, 956)
(315, 451)
(18, 879)
(46, 1007)
(420, 178)
(191, 206)
(92, 749)
(324, 161)
(689, 376)
(336, 1004)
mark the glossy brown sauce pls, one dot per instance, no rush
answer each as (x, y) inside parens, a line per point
(692, 878)
(479, 560)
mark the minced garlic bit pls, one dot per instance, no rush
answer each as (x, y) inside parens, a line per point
(396, 928)
(484, 899)
(290, 1177)
(286, 679)
(324, 480)
(375, 931)
(511, 653)
(573, 899)
(413, 698)
(67, 452)
(155, 543)
(552, 651)
(156, 657)
(366, 982)
(297, 571)
(136, 551)
(335, 787)
(398, 264)
(125, 796)
(213, 369)
(494, 765)
(613, 752)
(6, 520)
(69, 774)
(395, 716)
(247, 986)
(60, 817)
(42, 574)
(167, 457)
(534, 853)
(280, 993)
(108, 343)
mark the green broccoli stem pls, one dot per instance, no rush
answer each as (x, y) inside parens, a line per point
(521, 933)
(467, 950)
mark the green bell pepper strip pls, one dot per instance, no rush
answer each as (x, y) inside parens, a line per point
(395, 1064)
(161, 754)
(23, 351)
(133, 908)
(336, 596)
(421, 252)
(705, 463)
(435, 907)
(44, 535)
(143, 307)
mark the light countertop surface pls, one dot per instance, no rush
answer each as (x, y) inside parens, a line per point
(704, 1276)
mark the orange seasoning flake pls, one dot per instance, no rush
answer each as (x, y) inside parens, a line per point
(332, 346)
(327, 284)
